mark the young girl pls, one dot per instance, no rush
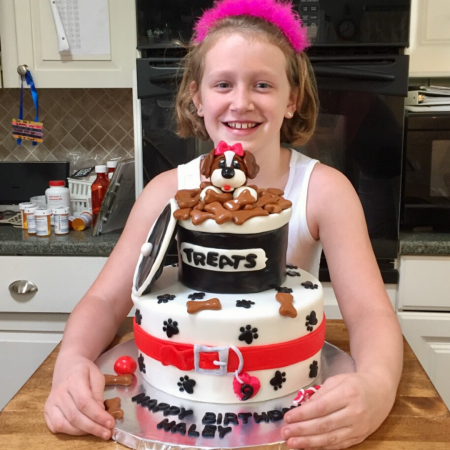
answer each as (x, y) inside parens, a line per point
(247, 80)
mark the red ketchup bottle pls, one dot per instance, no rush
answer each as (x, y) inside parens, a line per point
(98, 190)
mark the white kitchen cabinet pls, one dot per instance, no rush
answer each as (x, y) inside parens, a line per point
(428, 334)
(423, 303)
(430, 38)
(31, 325)
(28, 36)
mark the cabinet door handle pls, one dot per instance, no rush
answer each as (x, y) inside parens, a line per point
(22, 287)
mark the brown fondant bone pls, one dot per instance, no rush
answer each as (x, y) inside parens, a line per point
(285, 204)
(112, 407)
(239, 217)
(287, 307)
(182, 214)
(273, 208)
(243, 199)
(199, 217)
(276, 191)
(212, 196)
(221, 215)
(187, 198)
(195, 306)
(118, 380)
(200, 206)
(267, 198)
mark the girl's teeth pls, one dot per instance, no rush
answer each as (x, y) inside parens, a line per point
(244, 126)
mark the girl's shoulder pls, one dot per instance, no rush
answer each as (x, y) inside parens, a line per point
(331, 197)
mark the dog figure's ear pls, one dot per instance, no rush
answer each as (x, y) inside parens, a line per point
(207, 163)
(250, 164)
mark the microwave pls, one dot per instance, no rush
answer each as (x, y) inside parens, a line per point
(426, 171)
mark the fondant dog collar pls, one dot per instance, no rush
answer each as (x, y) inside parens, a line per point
(219, 360)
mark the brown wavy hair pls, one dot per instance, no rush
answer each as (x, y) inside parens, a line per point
(294, 131)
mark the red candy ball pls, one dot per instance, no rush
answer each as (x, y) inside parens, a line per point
(125, 365)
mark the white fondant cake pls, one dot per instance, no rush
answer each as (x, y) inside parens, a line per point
(233, 323)
(288, 349)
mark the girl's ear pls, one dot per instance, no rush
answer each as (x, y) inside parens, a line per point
(292, 105)
(196, 99)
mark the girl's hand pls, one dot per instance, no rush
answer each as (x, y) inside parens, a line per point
(75, 404)
(347, 409)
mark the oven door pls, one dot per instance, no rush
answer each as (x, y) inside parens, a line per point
(157, 82)
(426, 198)
(360, 132)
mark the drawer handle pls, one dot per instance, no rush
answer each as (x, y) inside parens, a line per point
(22, 287)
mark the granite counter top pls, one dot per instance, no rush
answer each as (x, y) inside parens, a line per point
(15, 241)
(424, 243)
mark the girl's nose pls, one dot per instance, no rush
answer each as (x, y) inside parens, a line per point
(242, 100)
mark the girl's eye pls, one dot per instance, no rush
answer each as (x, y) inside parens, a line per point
(262, 85)
(236, 165)
(222, 85)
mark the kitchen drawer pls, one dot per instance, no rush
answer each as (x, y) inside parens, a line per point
(424, 283)
(61, 282)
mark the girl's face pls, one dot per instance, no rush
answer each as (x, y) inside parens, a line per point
(244, 94)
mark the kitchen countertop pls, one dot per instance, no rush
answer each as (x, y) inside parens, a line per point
(418, 420)
(423, 243)
(15, 241)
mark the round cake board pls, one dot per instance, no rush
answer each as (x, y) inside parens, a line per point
(138, 428)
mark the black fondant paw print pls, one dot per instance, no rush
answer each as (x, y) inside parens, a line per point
(196, 296)
(165, 298)
(244, 303)
(141, 363)
(313, 369)
(311, 320)
(186, 384)
(248, 334)
(309, 285)
(292, 273)
(284, 290)
(291, 266)
(278, 380)
(170, 328)
(138, 316)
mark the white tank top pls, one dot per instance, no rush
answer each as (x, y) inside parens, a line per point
(303, 250)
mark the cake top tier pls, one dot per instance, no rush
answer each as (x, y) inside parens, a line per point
(226, 197)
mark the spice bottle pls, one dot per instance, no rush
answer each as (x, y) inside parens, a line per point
(61, 220)
(23, 216)
(31, 220)
(98, 190)
(83, 221)
(111, 165)
(43, 226)
(57, 195)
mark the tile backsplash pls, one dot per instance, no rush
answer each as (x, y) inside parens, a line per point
(91, 124)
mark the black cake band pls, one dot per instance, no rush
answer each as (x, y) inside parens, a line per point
(197, 274)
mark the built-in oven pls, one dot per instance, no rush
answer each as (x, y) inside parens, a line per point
(358, 58)
(426, 174)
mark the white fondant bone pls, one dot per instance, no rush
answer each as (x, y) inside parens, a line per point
(241, 189)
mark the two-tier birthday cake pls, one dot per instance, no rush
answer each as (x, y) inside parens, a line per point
(232, 322)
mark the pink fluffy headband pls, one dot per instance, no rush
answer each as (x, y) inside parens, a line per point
(280, 14)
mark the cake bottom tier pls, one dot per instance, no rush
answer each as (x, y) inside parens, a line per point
(202, 387)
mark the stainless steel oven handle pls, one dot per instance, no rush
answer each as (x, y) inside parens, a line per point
(352, 74)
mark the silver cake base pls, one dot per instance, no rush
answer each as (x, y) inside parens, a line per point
(138, 427)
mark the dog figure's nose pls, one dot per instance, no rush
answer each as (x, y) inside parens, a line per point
(228, 172)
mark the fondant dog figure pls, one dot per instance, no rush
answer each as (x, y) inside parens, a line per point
(228, 168)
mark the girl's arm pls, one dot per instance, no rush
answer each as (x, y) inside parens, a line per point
(75, 404)
(349, 407)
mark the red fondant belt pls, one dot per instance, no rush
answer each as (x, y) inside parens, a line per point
(218, 359)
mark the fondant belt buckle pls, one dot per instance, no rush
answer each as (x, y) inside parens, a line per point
(221, 363)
